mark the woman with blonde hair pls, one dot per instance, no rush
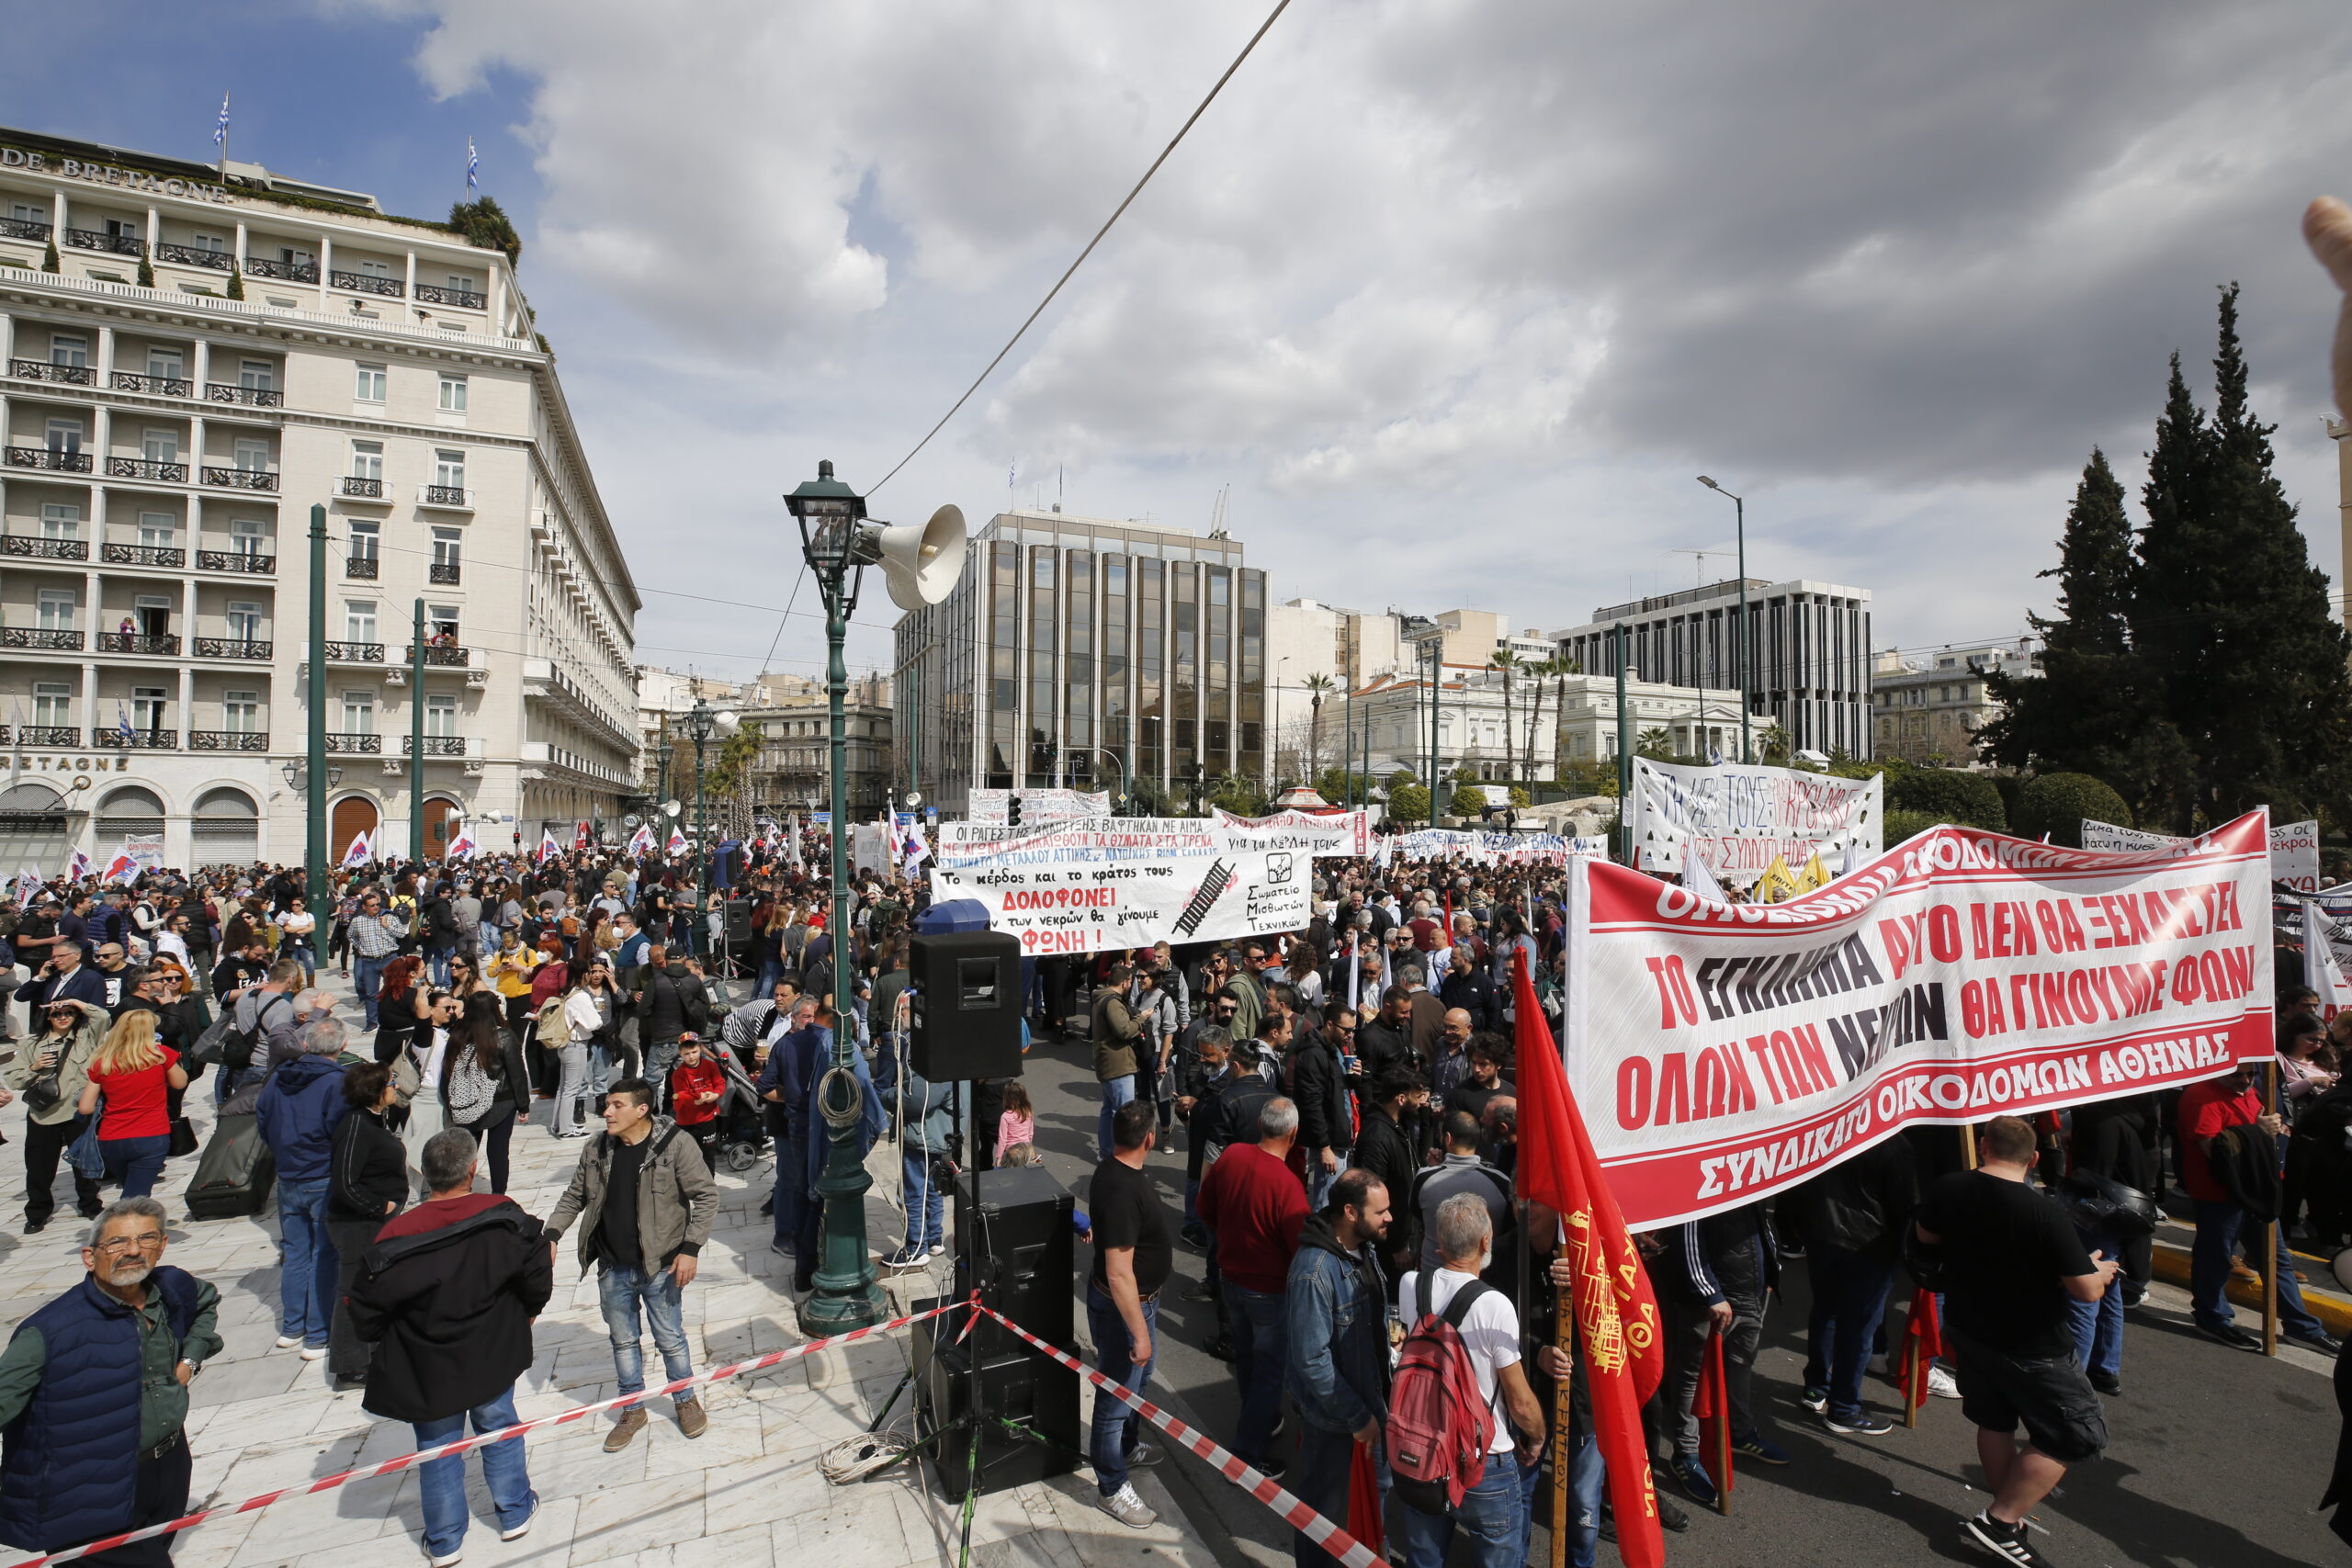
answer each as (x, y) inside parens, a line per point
(132, 1075)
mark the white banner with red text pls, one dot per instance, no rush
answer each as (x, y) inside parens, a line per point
(2294, 848)
(1324, 835)
(1739, 819)
(1065, 907)
(1081, 841)
(1037, 805)
(1723, 1052)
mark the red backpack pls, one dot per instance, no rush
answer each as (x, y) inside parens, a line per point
(1440, 1425)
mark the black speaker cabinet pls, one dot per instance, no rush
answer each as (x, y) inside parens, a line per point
(739, 922)
(1016, 1246)
(964, 1019)
(1021, 1386)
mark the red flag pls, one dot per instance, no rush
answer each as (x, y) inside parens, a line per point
(1363, 1498)
(1616, 1313)
(1711, 1407)
(1923, 1341)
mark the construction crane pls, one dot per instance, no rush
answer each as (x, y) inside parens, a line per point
(1701, 562)
(1216, 513)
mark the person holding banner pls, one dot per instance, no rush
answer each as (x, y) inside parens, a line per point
(2221, 1170)
(1715, 1276)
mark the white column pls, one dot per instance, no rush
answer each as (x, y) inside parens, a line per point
(187, 702)
(326, 268)
(407, 291)
(239, 258)
(496, 289)
(106, 357)
(154, 231)
(98, 504)
(90, 698)
(203, 368)
(57, 233)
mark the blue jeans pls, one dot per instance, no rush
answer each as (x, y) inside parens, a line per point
(1319, 1478)
(1116, 1092)
(306, 1278)
(770, 973)
(226, 1081)
(441, 1482)
(1254, 1323)
(620, 1292)
(1848, 1306)
(367, 979)
(302, 952)
(926, 1208)
(1587, 1479)
(1489, 1513)
(1114, 1434)
(2217, 1223)
(2098, 1325)
(1320, 1180)
(437, 964)
(791, 1190)
(136, 1163)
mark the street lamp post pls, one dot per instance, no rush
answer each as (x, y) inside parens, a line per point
(1739, 647)
(315, 751)
(1125, 781)
(703, 722)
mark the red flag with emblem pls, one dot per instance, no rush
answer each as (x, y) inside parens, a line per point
(1616, 1313)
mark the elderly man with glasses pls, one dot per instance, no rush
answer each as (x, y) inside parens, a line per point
(93, 1395)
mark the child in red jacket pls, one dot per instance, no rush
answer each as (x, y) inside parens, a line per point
(697, 1086)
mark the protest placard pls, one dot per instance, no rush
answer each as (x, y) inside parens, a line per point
(2294, 848)
(1063, 906)
(1739, 819)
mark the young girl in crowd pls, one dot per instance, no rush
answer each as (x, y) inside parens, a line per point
(1018, 1122)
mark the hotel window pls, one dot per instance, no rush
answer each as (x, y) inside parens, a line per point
(56, 609)
(294, 256)
(52, 704)
(248, 536)
(244, 621)
(64, 436)
(165, 364)
(253, 455)
(370, 383)
(449, 470)
(26, 212)
(358, 621)
(441, 621)
(158, 530)
(241, 712)
(371, 267)
(68, 348)
(363, 541)
(446, 543)
(147, 704)
(440, 715)
(217, 244)
(258, 375)
(60, 520)
(453, 393)
(367, 459)
(159, 446)
(130, 228)
(359, 713)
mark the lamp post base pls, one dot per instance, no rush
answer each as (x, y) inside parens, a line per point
(846, 1292)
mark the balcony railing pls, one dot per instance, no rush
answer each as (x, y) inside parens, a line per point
(142, 554)
(437, 745)
(368, 744)
(138, 642)
(236, 560)
(23, 229)
(48, 735)
(354, 653)
(93, 240)
(40, 637)
(147, 468)
(193, 256)
(160, 386)
(137, 739)
(241, 478)
(426, 293)
(50, 458)
(360, 566)
(292, 272)
(230, 648)
(48, 370)
(227, 740)
(237, 393)
(443, 571)
(38, 548)
(363, 490)
(443, 656)
(447, 495)
(366, 283)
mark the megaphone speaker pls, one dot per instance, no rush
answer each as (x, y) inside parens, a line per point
(922, 561)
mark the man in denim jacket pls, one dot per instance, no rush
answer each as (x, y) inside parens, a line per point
(1338, 1325)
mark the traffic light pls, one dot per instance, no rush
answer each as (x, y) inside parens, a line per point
(1013, 809)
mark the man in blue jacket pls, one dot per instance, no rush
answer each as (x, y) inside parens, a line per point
(1337, 1319)
(298, 1108)
(796, 1063)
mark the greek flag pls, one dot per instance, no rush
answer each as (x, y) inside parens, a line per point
(220, 126)
(121, 722)
(473, 164)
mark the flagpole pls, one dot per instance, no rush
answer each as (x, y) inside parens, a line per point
(1563, 1338)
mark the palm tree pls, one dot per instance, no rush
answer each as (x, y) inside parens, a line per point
(1317, 687)
(1539, 672)
(1507, 663)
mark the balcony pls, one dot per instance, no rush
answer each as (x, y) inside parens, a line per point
(426, 293)
(227, 740)
(357, 489)
(44, 549)
(436, 745)
(241, 478)
(456, 497)
(23, 229)
(48, 735)
(238, 392)
(139, 642)
(237, 561)
(152, 468)
(155, 386)
(442, 656)
(360, 566)
(50, 458)
(40, 637)
(291, 272)
(45, 371)
(114, 244)
(230, 648)
(354, 653)
(192, 255)
(366, 283)
(369, 745)
(137, 739)
(142, 554)
(443, 571)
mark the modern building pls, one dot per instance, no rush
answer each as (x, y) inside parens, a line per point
(1927, 710)
(1074, 647)
(1472, 638)
(1305, 637)
(192, 364)
(1811, 672)
(794, 770)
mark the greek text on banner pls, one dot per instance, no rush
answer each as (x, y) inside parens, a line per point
(1723, 1052)
(1739, 819)
(1071, 907)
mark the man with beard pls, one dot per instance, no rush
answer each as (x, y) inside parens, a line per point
(1336, 1322)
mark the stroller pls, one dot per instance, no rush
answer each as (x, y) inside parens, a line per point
(742, 1133)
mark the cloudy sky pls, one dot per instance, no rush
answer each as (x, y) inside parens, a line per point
(1456, 296)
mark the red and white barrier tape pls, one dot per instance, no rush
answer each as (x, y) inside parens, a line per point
(1342, 1546)
(504, 1434)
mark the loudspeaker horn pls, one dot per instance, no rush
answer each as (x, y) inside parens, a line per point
(922, 561)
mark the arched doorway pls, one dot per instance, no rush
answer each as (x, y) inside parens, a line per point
(353, 815)
(36, 829)
(441, 820)
(226, 829)
(129, 811)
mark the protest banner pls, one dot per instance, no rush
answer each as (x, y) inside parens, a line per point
(1494, 849)
(2322, 965)
(1740, 818)
(2294, 848)
(1062, 906)
(1723, 1052)
(1319, 834)
(1081, 840)
(1038, 805)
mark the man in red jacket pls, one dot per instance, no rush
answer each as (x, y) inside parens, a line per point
(2207, 1109)
(697, 1084)
(1253, 1203)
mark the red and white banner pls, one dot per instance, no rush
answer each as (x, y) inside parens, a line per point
(1085, 907)
(1723, 1052)
(2294, 848)
(1314, 833)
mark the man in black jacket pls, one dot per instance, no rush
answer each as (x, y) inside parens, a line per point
(672, 1004)
(1467, 987)
(1325, 1128)
(1384, 1146)
(447, 1297)
(1851, 1218)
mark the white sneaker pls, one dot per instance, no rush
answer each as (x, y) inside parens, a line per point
(1129, 1509)
(449, 1559)
(519, 1531)
(287, 1341)
(1942, 1384)
(314, 1352)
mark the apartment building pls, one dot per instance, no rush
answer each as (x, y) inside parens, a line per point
(1928, 708)
(192, 363)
